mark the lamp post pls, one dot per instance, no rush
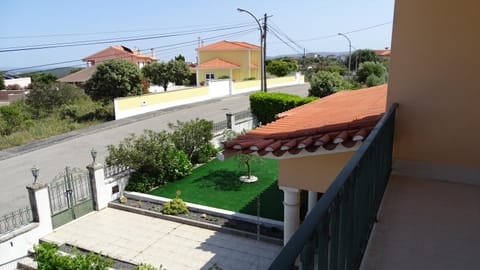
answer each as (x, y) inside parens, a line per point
(35, 171)
(93, 153)
(349, 51)
(262, 48)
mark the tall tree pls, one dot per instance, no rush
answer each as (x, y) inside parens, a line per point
(360, 56)
(179, 71)
(180, 58)
(163, 73)
(114, 78)
(157, 73)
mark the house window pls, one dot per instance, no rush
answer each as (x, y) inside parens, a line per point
(210, 76)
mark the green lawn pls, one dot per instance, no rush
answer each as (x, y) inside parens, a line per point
(217, 184)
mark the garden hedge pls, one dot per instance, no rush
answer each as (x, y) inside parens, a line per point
(265, 106)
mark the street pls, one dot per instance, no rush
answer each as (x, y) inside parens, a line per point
(15, 172)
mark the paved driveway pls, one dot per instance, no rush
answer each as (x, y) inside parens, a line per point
(138, 238)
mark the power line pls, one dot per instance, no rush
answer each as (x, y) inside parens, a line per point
(271, 30)
(124, 39)
(274, 26)
(162, 48)
(347, 32)
(105, 32)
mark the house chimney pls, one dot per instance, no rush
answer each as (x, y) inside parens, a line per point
(153, 52)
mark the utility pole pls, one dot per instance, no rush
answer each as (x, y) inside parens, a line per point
(264, 52)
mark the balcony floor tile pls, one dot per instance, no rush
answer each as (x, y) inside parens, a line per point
(426, 224)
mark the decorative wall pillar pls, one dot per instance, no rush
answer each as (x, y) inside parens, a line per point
(97, 184)
(230, 121)
(40, 204)
(291, 212)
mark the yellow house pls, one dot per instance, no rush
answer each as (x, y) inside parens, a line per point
(237, 60)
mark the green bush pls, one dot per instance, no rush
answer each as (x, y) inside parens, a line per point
(44, 99)
(324, 83)
(178, 166)
(206, 152)
(193, 138)
(367, 69)
(175, 207)
(146, 266)
(265, 106)
(13, 117)
(224, 77)
(250, 79)
(141, 183)
(150, 154)
(48, 258)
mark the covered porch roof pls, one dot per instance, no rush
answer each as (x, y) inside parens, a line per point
(218, 63)
(341, 120)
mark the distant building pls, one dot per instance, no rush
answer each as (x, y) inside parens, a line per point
(120, 52)
(113, 52)
(233, 59)
(383, 54)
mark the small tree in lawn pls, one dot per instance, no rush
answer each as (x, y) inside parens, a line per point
(248, 160)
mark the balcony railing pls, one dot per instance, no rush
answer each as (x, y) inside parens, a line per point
(335, 233)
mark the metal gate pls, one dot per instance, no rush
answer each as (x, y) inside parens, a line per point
(70, 196)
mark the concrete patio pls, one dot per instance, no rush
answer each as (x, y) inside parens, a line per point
(142, 239)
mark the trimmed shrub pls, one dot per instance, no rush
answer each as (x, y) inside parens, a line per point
(175, 207)
(265, 106)
(140, 182)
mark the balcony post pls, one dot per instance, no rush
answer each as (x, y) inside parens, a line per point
(291, 212)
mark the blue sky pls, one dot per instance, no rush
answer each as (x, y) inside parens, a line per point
(313, 25)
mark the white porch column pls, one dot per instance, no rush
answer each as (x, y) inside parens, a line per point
(312, 200)
(291, 212)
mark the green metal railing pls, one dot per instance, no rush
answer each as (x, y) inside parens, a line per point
(335, 233)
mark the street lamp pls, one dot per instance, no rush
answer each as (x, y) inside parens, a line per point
(35, 171)
(262, 48)
(349, 51)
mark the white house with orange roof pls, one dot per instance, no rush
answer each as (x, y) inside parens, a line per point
(120, 52)
(237, 60)
(112, 52)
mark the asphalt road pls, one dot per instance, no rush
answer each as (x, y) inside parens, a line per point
(52, 155)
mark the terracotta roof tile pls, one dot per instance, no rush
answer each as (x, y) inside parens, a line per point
(80, 76)
(117, 51)
(383, 52)
(344, 118)
(217, 63)
(229, 45)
